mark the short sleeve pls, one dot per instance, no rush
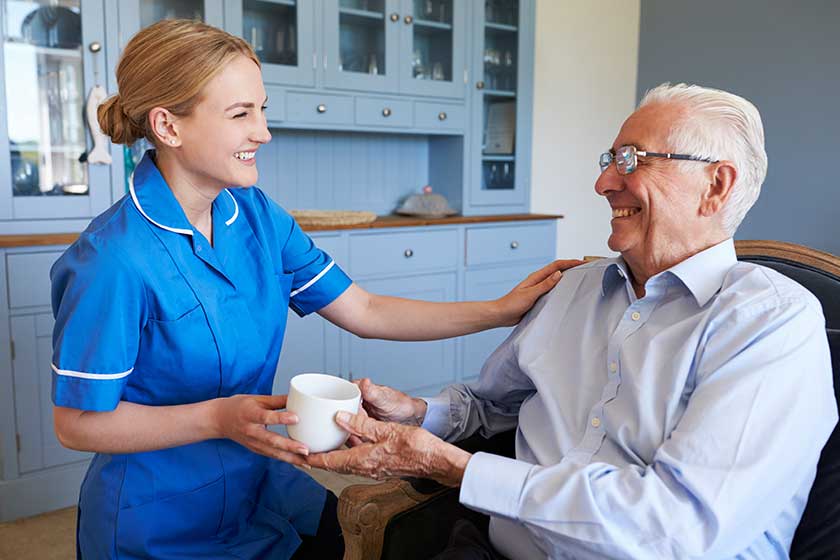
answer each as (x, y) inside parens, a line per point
(99, 306)
(317, 279)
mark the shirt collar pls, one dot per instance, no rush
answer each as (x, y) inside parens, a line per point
(156, 202)
(702, 273)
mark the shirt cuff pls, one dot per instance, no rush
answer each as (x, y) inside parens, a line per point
(493, 484)
(320, 290)
(437, 420)
(87, 394)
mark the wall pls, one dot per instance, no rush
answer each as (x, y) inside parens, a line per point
(783, 56)
(584, 88)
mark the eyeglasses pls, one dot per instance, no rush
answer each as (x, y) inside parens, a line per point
(626, 158)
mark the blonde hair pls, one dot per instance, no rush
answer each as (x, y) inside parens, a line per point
(165, 65)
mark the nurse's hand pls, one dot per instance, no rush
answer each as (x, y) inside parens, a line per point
(244, 418)
(519, 300)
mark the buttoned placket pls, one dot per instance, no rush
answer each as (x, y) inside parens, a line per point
(633, 318)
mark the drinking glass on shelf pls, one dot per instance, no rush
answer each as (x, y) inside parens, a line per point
(493, 179)
(437, 72)
(373, 67)
(510, 72)
(418, 68)
(428, 10)
(507, 178)
(490, 10)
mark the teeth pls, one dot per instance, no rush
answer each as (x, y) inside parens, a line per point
(244, 156)
(624, 212)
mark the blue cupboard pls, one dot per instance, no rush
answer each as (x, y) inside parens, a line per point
(369, 100)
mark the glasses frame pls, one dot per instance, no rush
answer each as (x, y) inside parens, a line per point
(626, 158)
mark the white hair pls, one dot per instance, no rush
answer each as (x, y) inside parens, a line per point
(723, 126)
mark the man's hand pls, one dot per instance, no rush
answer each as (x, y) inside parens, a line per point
(390, 405)
(520, 299)
(393, 450)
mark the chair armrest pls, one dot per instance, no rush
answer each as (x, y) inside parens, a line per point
(368, 513)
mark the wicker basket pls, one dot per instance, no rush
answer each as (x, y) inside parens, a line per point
(323, 218)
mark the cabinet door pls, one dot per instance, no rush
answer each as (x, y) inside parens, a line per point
(282, 32)
(361, 44)
(311, 345)
(39, 448)
(432, 46)
(502, 98)
(407, 366)
(484, 285)
(48, 71)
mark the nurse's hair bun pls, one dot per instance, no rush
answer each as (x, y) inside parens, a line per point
(115, 123)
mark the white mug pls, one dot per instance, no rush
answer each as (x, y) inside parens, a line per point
(315, 398)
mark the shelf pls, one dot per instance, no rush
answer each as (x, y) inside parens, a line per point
(499, 93)
(362, 14)
(436, 25)
(501, 27)
(50, 51)
(498, 157)
(289, 3)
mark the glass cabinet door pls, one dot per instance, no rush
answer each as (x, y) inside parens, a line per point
(361, 39)
(432, 51)
(282, 34)
(47, 75)
(497, 104)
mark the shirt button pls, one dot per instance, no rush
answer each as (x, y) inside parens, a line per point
(613, 367)
(198, 249)
(596, 422)
(636, 316)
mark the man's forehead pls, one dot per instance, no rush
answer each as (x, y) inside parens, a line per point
(647, 126)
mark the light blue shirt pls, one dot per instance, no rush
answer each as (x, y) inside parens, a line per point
(685, 424)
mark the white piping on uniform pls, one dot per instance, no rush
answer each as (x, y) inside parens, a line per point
(308, 284)
(137, 204)
(235, 209)
(83, 375)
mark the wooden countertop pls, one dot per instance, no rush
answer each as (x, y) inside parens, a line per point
(389, 221)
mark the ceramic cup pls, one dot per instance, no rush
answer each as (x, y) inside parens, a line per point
(316, 398)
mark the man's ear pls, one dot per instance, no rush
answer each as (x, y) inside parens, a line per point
(164, 127)
(724, 175)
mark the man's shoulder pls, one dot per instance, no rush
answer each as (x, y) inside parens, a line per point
(753, 288)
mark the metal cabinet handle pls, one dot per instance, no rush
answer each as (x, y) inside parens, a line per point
(395, 17)
(386, 112)
(441, 116)
(408, 20)
(95, 47)
(479, 84)
(322, 108)
(408, 253)
(514, 244)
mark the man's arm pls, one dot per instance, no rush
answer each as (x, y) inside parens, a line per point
(749, 440)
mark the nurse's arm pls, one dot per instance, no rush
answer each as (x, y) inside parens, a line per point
(134, 428)
(375, 316)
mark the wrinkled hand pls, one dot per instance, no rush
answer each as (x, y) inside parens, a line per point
(244, 419)
(393, 450)
(384, 403)
(520, 299)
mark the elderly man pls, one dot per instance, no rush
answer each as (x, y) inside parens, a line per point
(670, 403)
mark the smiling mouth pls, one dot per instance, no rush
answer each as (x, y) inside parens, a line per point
(625, 212)
(244, 156)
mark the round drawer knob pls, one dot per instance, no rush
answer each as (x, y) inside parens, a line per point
(408, 253)
(95, 47)
(322, 108)
(479, 84)
(514, 244)
(441, 116)
(386, 112)
(408, 20)
(395, 17)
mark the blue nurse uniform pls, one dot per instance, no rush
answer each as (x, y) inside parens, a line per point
(147, 311)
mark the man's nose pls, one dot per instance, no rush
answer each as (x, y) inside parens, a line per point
(609, 181)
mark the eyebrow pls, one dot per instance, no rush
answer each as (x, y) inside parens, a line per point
(244, 105)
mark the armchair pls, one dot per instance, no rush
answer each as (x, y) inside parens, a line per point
(412, 518)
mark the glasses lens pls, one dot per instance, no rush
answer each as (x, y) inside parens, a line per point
(605, 160)
(625, 159)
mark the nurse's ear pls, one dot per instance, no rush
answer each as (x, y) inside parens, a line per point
(164, 127)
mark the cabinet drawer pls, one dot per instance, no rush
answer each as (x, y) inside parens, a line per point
(506, 244)
(440, 116)
(317, 108)
(29, 278)
(402, 253)
(372, 111)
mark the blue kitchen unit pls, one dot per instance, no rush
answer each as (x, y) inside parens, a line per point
(369, 100)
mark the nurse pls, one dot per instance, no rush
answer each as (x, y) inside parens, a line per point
(170, 312)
